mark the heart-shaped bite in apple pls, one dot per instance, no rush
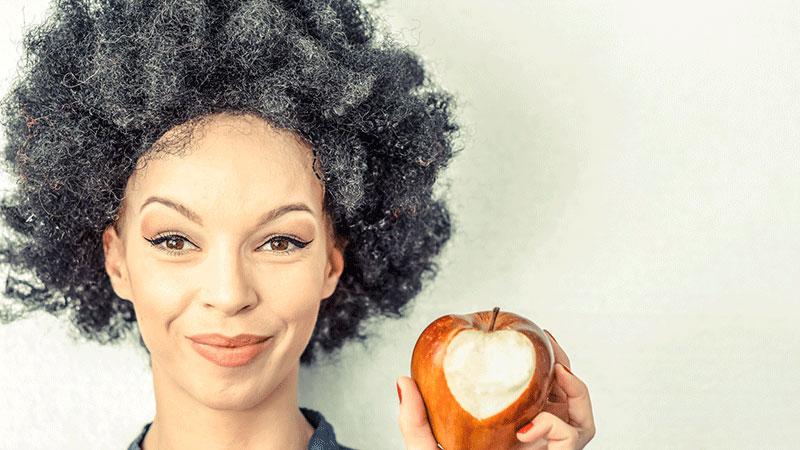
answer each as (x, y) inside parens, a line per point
(487, 371)
(482, 376)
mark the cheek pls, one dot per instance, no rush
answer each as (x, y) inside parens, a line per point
(156, 297)
(290, 290)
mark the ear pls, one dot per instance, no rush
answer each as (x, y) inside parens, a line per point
(115, 263)
(333, 269)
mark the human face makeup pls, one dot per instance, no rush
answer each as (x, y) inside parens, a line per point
(227, 238)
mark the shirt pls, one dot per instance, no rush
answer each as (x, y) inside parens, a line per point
(323, 438)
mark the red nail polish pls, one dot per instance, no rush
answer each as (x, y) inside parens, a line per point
(525, 428)
(399, 394)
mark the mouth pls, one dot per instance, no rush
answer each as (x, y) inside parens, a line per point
(220, 340)
(231, 355)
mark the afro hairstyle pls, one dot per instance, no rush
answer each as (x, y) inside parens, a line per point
(101, 81)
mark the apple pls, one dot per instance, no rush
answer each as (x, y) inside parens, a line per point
(482, 376)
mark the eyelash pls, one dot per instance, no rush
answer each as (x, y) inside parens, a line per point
(156, 241)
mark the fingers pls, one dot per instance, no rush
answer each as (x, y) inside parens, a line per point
(413, 418)
(578, 429)
(547, 427)
(560, 354)
(580, 405)
(558, 408)
(557, 398)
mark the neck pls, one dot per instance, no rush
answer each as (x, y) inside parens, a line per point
(182, 422)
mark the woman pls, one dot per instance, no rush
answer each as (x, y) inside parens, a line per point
(243, 183)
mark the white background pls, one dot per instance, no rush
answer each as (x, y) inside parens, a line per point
(630, 181)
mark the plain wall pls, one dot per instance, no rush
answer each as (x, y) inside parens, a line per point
(630, 181)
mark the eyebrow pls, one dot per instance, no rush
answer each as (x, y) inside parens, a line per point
(194, 217)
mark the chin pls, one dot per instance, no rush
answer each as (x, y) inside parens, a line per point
(234, 397)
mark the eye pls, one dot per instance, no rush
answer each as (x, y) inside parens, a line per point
(175, 244)
(284, 243)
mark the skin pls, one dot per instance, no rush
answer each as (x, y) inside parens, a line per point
(566, 423)
(227, 279)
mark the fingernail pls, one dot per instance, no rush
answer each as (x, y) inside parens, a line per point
(399, 394)
(525, 428)
(551, 335)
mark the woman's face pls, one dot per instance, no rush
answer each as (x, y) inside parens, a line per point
(234, 261)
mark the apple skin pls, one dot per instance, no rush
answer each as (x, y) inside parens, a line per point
(452, 426)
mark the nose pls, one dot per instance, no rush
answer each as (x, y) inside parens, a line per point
(227, 288)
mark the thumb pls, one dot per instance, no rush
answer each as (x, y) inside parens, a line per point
(413, 418)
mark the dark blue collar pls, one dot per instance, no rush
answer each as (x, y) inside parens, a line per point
(323, 438)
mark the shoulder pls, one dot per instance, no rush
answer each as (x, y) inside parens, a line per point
(324, 438)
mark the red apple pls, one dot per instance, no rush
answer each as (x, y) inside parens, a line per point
(482, 376)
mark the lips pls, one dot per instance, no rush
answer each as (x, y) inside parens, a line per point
(229, 351)
(220, 340)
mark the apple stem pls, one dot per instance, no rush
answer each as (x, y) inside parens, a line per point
(494, 317)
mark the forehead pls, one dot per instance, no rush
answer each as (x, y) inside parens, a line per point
(231, 161)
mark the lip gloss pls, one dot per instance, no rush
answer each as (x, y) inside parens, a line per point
(230, 356)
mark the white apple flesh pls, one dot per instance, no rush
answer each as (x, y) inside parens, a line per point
(487, 371)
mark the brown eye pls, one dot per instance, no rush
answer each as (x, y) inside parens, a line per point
(175, 244)
(284, 244)
(281, 246)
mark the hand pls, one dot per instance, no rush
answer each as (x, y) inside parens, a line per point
(565, 423)
(413, 418)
